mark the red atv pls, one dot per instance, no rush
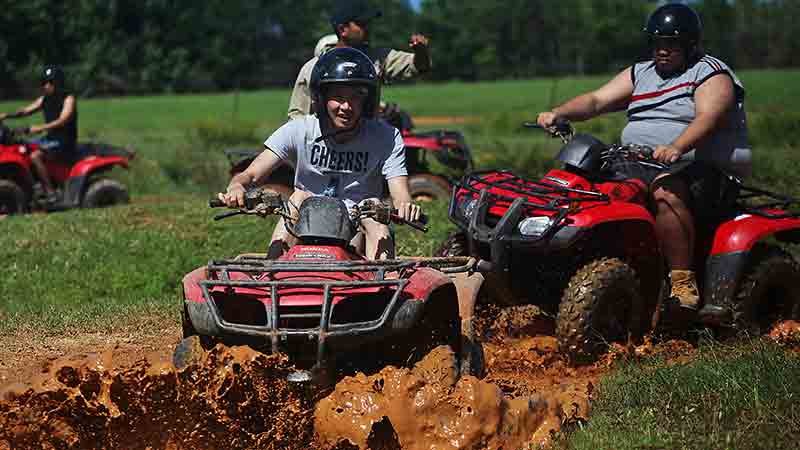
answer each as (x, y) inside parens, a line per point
(80, 182)
(581, 240)
(448, 147)
(328, 308)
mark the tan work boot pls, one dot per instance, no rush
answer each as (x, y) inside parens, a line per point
(684, 289)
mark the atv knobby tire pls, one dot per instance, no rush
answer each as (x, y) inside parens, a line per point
(596, 309)
(427, 187)
(454, 245)
(12, 198)
(105, 192)
(769, 290)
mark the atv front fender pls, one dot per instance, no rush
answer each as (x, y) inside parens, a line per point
(199, 314)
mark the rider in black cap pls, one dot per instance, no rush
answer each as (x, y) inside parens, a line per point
(61, 124)
(341, 150)
(350, 21)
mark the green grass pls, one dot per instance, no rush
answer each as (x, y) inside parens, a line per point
(733, 396)
(75, 271)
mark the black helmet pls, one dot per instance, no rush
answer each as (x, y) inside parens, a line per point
(344, 65)
(53, 74)
(675, 20)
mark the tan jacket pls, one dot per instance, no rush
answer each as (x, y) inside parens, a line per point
(390, 65)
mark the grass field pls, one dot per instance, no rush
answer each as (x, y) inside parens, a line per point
(78, 271)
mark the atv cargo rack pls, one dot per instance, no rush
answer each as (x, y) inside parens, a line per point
(518, 185)
(256, 264)
(769, 206)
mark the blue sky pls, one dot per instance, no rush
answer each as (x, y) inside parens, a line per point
(415, 4)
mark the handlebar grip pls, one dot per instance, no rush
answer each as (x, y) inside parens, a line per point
(216, 203)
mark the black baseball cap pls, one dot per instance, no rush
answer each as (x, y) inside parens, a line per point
(346, 11)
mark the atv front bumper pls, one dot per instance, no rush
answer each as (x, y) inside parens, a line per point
(314, 331)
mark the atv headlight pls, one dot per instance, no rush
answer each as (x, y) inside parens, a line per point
(468, 206)
(534, 226)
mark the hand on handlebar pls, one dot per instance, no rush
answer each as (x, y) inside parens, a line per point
(409, 211)
(667, 154)
(546, 119)
(234, 196)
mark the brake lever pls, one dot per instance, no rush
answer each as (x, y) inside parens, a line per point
(415, 225)
(225, 215)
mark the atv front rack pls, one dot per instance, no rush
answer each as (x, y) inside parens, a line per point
(274, 332)
(556, 196)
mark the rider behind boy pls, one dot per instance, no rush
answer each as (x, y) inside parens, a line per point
(341, 150)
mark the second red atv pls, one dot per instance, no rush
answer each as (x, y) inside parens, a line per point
(581, 240)
(81, 182)
(447, 147)
(329, 309)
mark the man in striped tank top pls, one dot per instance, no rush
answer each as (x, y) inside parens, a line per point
(689, 107)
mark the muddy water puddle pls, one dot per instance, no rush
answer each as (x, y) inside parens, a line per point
(239, 398)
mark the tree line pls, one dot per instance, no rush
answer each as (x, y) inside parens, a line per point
(151, 46)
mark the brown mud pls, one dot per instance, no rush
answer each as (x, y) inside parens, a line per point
(238, 398)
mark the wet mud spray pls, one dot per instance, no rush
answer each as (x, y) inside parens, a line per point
(238, 398)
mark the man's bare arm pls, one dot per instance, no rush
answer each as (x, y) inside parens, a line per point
(612, 96)
(66, 113)
(255, 174)
(712, 100)
(25, 111)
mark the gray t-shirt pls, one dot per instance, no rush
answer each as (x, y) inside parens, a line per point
(661, 109)
(353, 170)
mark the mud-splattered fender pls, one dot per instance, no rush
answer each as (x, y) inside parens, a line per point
(422, 284)
(199, 314)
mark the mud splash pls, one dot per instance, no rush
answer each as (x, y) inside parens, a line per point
(237, 399)
(428, 407)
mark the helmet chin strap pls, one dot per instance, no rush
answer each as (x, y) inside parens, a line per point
(335, 132)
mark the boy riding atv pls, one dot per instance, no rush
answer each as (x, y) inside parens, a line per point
(61, 124)
(340, 151)
(688, 106)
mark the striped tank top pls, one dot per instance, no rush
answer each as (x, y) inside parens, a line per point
(661, 109)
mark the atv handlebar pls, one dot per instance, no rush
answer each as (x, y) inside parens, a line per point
(561, 128)
(260, 203)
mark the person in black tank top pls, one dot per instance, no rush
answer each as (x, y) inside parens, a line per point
(60, 111)
(702, 109)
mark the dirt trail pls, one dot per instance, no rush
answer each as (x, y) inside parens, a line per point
(238, 398)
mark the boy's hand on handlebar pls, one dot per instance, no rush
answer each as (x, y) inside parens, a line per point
(667, 154)
(547, 119)
(409, 211)
(234, 197)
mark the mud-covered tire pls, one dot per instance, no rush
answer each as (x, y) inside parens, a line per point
(427, 187)
(12, 198)
(454, 245)
(596, 309)
(105, 192)
(189, 351)
(769, 290)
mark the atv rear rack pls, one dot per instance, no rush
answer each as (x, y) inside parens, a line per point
(771, 201)
(326, 328)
